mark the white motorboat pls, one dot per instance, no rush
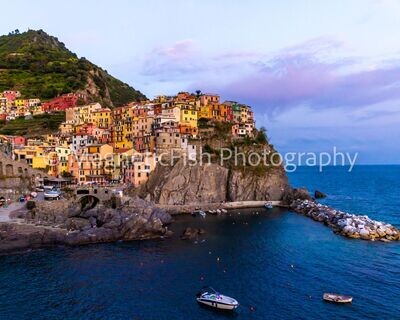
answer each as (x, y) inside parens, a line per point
(209, 297)
(268, 205)
(337, 298)
(202, 214)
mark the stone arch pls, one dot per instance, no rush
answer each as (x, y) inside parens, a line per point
(9, 170)
(88, 202)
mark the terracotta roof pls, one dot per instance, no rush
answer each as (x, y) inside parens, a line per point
(122, 150)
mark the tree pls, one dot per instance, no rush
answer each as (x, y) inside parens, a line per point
(261, 137)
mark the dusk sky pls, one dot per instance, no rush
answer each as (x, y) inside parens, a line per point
(317, 73)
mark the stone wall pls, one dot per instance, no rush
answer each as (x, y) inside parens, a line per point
(17, 175)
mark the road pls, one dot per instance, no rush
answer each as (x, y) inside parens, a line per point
(5, 212)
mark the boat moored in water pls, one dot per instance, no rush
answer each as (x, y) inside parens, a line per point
(268, 205)
(337, 298)
(211, 298)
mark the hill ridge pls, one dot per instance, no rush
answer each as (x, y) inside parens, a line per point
(40, 65)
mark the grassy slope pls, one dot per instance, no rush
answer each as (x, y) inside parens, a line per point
(38, 125)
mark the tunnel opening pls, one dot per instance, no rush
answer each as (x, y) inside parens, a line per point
(88, 202)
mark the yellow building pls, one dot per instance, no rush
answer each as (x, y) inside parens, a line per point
(244, 113)
(62, 155)
(66, 128)
(102, 118)
(205, 112)
(36, 109)
(39, 162)
(33, 155)
(82, 114)
(188, 116)
(20, 102)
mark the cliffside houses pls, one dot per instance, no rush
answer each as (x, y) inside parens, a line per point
(13, 105)
(100, 145)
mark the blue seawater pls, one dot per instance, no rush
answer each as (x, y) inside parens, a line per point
(276, 263)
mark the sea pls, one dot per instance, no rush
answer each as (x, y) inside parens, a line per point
(276, 263)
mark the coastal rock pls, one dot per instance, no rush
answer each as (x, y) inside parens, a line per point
(18, 236)
(192, 233)
(60, 222)
(364, 234)
(292, 194)
(319, 195)
(78, 224)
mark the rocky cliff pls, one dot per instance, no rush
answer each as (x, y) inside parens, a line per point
(180, 184)
(221, 179)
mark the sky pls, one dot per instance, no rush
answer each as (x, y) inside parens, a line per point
(318, 74)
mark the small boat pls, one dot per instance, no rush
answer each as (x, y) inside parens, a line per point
(202, 213)
(219, 211)
(337, 298)
(268, 205)
(224, 211)
(209, 297)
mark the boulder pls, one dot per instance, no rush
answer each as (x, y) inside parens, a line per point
(291, 195)
(381, 232)
(78, 224)
(192, 233)
(30, 205)
(319, 195)
(162, 215)
(364, 234)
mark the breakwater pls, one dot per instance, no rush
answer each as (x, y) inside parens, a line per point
(346, 224)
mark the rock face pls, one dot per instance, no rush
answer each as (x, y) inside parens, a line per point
(181, 184)
(349, 225)
(63, 222)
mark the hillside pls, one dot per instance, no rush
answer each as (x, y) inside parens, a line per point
(39, 65)
(37, 125)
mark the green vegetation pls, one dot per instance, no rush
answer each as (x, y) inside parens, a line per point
(261, 136)
(37, 125)
(41, 66)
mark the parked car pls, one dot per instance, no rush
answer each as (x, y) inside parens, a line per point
(21, 199)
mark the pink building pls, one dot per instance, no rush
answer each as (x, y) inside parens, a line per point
(11, 95)
(17, 140)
